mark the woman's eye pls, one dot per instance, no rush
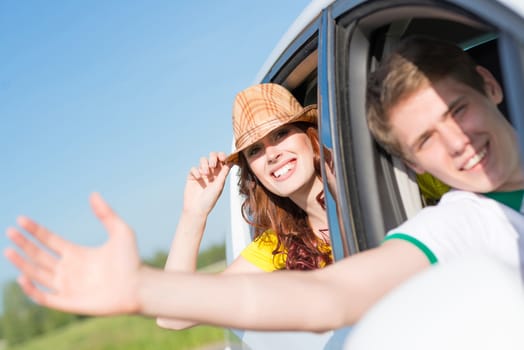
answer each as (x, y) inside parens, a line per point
(253, 151)
(281, 133)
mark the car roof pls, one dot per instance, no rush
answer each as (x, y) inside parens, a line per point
(515, 5)
(308, 15)
(312, 11)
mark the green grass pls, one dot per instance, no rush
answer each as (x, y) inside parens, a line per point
(127, 333)
(122, 333)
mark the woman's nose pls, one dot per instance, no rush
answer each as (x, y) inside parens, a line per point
(272, 153)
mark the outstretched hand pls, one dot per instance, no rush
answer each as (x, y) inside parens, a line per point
(87, 280)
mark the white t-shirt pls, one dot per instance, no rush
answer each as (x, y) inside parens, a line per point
(466, 223)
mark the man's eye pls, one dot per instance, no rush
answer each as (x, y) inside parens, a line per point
(459, 111)
(424, 142)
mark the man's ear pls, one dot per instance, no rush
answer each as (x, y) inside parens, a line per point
(492, 87)
(413, 166)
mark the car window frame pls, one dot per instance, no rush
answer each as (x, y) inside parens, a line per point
(356, 169)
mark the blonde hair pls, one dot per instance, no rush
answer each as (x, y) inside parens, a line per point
(415, 63)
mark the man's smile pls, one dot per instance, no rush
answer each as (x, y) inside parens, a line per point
(475, 159)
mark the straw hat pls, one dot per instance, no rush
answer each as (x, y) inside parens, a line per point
(262, 108)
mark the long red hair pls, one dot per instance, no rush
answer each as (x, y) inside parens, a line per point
(264, 210)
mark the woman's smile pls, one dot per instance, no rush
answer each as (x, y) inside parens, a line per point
(285, 171)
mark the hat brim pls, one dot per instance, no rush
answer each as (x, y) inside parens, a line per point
(308, 114)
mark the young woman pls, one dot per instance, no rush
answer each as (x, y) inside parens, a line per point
(277, 152)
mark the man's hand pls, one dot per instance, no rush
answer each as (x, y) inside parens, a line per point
(77, 279)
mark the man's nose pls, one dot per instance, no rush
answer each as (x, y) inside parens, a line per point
(455, 139)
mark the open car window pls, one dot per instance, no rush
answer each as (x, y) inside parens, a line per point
(378, 191)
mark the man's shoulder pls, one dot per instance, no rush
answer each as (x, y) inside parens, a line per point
(454, 195)
(451, 199)
(463, 201)
(455, 206)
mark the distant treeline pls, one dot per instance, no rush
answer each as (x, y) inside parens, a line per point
(23, 319)
(206, 257)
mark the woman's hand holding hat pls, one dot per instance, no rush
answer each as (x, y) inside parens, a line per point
(205, 184)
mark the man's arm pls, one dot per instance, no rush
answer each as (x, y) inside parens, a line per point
(317, 300)
(110, 280)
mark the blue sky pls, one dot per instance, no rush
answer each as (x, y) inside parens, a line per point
(122, 97)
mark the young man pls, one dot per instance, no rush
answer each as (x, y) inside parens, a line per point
(428, 103)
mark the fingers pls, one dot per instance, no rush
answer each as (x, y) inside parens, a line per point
(111, 221)
(216, 159)
(32, 270)
(195, 174)
(32, 291)
(206, 168)
(39, 263)
(224, 171)
(209, 167)
(53, 300)
(40, 256)
(43, 235)
(328, 158)
(221, 157)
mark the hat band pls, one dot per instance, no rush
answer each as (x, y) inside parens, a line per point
(254, 134)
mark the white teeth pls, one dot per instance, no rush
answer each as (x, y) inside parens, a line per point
(283, 170)
(475, 159)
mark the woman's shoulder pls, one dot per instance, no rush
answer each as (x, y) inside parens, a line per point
(267, 237)
(260, 252)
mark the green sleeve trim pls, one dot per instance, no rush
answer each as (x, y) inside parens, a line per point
(424, 248)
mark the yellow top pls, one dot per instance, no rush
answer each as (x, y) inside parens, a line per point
(260, 252)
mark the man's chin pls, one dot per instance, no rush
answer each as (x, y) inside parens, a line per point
(475, 186)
